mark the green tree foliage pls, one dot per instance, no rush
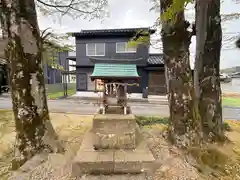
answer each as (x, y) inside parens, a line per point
(177, 6)
(141, 37)
(51, 48)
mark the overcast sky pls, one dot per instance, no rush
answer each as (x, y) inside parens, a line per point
(135, 13)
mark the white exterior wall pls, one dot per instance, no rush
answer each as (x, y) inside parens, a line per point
(72, 77)
(71, 68)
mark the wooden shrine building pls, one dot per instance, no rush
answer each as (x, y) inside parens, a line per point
(116, 78)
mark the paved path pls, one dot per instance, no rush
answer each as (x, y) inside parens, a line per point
(84, 107)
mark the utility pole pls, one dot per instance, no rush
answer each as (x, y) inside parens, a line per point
(66, 74)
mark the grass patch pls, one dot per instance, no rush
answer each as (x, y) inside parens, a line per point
(60, 94)
(231, 101)
(148, 121)
(226, 126)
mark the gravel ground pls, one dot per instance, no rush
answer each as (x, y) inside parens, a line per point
(170, 166)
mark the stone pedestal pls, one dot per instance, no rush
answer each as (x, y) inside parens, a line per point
(113, 131)
(113, 146)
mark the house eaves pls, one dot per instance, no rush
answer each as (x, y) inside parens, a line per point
(102, 32)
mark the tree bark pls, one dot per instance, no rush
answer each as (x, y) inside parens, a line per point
(34, 130)
(238, 43)
(166, 78)
(207, 66)
(184, 122)
(1, 78)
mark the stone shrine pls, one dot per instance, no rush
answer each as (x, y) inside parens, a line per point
(114, 145)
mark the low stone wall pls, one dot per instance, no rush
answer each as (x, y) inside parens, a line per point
(53, 88)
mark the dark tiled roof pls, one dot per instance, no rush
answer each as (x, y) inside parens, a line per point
(110, 31)
(155, 59)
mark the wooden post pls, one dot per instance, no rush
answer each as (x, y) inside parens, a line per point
(103, 97)
(125, 93)
(125, 99)
(104, 101)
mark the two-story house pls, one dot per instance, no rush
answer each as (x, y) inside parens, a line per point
(53, 72)
(111, 45)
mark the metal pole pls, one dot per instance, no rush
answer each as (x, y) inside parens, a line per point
(66, 83)
(63, 84)
(66, 70)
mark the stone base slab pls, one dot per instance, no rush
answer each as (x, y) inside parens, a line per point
(90, 161)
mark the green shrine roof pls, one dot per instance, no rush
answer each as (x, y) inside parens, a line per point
(113, 71)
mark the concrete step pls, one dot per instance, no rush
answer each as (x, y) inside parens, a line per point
(90, 161)
(114, 177)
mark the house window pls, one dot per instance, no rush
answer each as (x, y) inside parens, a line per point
(123, 47)
(95, 49)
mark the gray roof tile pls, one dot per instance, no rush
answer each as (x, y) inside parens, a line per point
(105, 31)
(155, 59)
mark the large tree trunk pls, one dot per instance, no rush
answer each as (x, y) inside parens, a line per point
(184, 123)
(24, 53)
(207, 66)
